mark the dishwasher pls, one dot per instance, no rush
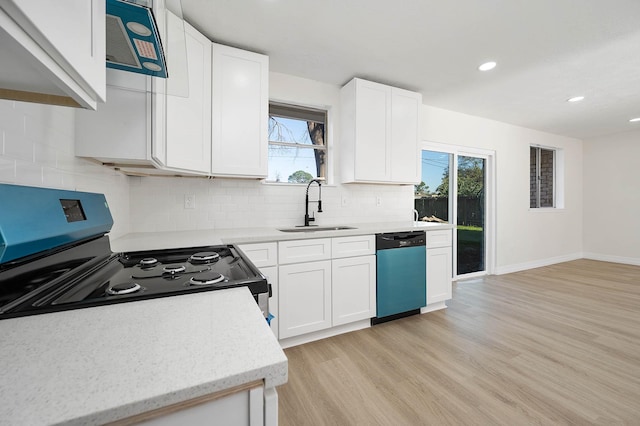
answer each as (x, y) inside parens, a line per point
(401, 267)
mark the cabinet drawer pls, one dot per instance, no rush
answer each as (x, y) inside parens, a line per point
(441, 238)
(304, 250)
(360, 245)
(261, 254)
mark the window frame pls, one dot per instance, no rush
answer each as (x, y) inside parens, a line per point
(557, 179)
(305, 113)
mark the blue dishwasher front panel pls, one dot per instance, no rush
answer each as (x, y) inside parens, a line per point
(401, 280)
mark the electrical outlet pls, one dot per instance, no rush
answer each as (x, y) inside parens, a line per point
(190, 201)
(344, 201)
(378, 201)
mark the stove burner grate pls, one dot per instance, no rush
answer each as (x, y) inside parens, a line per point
(174, 269)
(204, 257)
(206, 278)
(124, 288)
(148, 262)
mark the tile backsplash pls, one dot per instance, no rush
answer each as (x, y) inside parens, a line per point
(158, 204)
(37, 149)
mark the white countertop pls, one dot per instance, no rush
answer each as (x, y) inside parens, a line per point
(177, 239)
(95, 365)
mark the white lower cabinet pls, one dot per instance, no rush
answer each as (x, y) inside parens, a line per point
(439, 265)
(271, 272)
(338, 288)
(353, 288)
(248, 406)
(438, 274)
(305, 297)
(265, 257)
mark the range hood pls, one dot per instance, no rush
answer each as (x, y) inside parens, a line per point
(133, 41)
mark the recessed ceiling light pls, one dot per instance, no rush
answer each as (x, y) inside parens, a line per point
(635, 120)
(487, 66)
(575, 99)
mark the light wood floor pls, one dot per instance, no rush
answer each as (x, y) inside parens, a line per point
(553, 345)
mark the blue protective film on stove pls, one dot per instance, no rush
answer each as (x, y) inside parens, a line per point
(34, 219)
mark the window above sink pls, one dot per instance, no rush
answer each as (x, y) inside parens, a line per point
(297, 144)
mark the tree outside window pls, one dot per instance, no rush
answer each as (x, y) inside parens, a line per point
(297, 144)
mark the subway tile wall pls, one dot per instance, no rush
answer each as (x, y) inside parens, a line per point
(157, 204)
(36, 149)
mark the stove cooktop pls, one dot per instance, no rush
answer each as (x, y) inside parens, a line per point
(123, 277)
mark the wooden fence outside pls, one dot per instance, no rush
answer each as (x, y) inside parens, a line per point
(470, 209)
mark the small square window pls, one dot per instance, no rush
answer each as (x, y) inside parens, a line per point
(297, 144)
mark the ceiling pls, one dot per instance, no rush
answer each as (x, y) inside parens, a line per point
(547, 51)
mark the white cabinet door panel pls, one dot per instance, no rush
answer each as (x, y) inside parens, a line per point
(240, 112)
(271, 272)
(261, 254)
(265, 257)
(242, 408)
(353, 289)
(127, 110)
(439, 270)
(360, 245)
(405, 151)
(305, 298)
(188, 118)
(372, 126)
(304, 250)
(440, 238)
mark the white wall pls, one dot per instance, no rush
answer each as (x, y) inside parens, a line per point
(157, 204)
(612, 198)
(36, 149)
(525, 237)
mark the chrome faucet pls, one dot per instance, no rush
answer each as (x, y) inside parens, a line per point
(308, 219)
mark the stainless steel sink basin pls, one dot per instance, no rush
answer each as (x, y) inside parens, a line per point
(316, 228)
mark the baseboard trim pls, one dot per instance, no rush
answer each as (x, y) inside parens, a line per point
(433, 307)
(615, 259)
(323, 334)
(501, 270)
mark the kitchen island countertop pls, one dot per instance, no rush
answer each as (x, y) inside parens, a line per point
(192, 238)
(96, 365)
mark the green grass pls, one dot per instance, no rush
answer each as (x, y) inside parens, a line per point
(468, 228)
(470, 234)
(470, 249)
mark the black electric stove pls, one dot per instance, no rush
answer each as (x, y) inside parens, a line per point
(64, 265)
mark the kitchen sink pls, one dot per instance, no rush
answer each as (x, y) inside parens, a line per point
(316, 228)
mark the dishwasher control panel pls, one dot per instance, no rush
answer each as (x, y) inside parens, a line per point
(400, 239)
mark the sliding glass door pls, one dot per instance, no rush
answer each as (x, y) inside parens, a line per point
(470, 214)
(454, 189)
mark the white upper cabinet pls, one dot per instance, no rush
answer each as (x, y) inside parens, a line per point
(187, 120)
(119, 132)
(151, 125)
(53, 51)
(405, 136)
(240, 113)
(380, 134)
